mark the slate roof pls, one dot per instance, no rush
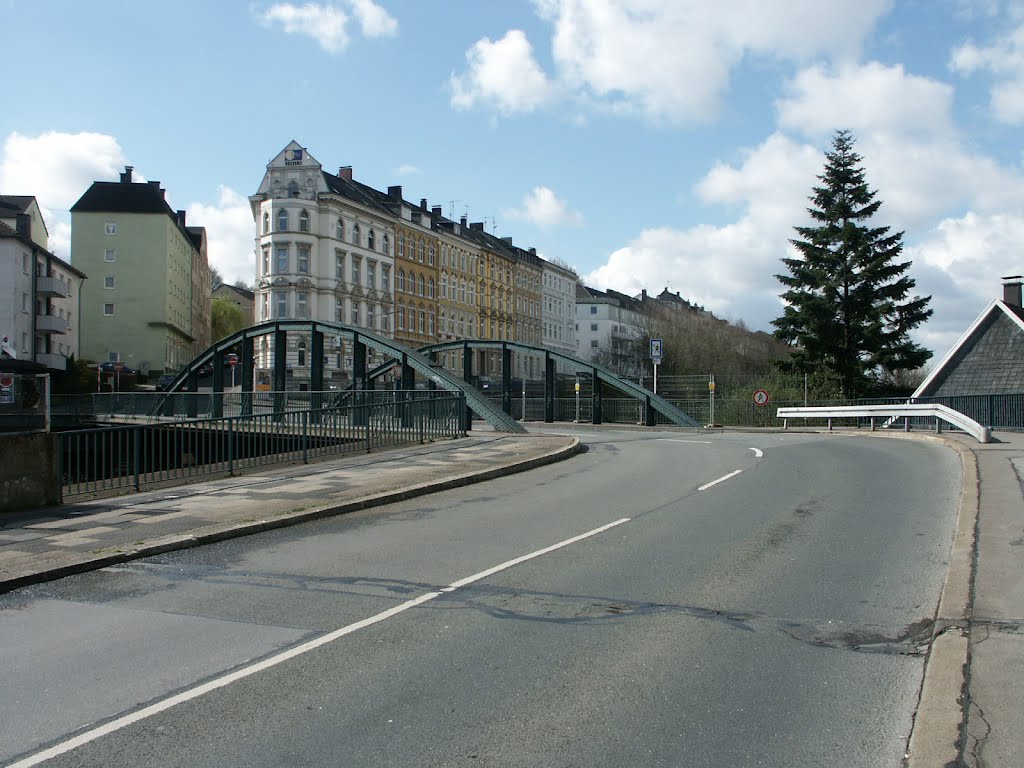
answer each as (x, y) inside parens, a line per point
(117, 197)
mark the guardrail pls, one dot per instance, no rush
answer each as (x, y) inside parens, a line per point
(906, 412)
(128, 458)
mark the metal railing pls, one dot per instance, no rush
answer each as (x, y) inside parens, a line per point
(132, 457)
(907, 412)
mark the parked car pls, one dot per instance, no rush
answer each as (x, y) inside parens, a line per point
(164, 381)
(111, 367)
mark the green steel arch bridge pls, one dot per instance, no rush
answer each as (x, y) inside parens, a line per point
(411, 362)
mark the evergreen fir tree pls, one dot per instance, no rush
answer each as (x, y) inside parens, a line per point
(847, 312)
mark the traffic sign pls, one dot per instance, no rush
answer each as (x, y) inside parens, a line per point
(761, 397)
(656, 349)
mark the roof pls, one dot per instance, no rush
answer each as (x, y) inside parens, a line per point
(15, 203)
(119, 197)
(243, 292)
(977, 327)
(6, 231)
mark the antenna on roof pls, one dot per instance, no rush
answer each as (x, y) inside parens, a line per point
(494, 225)
(451, 208)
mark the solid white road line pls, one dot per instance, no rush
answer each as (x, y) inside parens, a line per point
(758, 453)
(722, 479)
(291, 653)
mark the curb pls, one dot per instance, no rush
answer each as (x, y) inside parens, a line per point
(213, 534)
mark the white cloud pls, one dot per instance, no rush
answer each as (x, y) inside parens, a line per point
(327, 23)
(544, 209)
(407, 170)
(57, 168)
(664, 59)
(1005, 60)
(230, 232)
(502, 74)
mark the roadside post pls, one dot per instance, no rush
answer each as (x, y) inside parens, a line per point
(711, 397)
(656, 352)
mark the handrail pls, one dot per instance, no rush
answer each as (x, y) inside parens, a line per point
(907, 410)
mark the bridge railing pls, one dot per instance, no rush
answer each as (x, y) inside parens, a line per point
(906, 412)
(132, 457)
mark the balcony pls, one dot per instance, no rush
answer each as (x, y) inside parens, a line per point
(51, 324)
(51, 286)
(55, 362)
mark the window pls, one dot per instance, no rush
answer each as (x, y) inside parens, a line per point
(385, 321)
(108, 310)
(444, 288)
(431, 288)
(280, 304)
(339, 229)
(371, 311)
(293, 188)
(593, 343)
(593, 310)
(401, 280)
(282, 220)
(24, 263)
(371, 275)
(266, 222)
(430, 256)
(430, 323)
(301, 353)
(355, 313)
(339, 265)
(386, 248)
(304, 221)
(339, 310)
(593, 326)
(422, 286)
(110, 255)
(421, 253)
(370, 239)
(401, 245)
(423, 321)
(401, 317)
(266, 260)
(282, 259)
(355, 234)
(302, 305)
(303, 266)
(355, 271)
(110, 228)
(266, 306)
(108, 282)
(385, 278)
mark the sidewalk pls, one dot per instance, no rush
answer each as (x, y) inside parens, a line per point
(45, 544)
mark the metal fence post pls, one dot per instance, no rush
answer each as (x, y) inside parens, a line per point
(136, 439)
(305, 437)
(231, 447)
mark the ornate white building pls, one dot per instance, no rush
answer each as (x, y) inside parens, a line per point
(324, 251)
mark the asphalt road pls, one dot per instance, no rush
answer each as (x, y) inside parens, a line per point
(661, 600)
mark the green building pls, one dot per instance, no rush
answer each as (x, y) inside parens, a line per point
(147, 303)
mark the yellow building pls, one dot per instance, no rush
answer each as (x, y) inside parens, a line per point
(416, 272)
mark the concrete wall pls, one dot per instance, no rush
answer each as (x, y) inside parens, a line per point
(28, 471)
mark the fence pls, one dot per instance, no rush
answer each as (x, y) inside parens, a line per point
(125, 458)
(24, 402)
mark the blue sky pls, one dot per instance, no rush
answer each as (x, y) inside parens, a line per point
(649, 143)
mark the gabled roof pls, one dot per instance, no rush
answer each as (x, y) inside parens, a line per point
(996, 306)
(14, 204)
(9, 232)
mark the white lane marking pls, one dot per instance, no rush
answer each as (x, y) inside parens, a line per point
(239, 674)
(490, 571)
(722, 479)
(758, 453)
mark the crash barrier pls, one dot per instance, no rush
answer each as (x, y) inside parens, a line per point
(905, 412)
(133, 457)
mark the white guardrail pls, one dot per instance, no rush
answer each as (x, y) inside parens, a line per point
(908, 411)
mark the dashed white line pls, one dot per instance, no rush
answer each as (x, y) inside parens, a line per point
(291, 653)
(722, 479)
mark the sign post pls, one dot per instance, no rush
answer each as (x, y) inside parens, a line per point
(577, 399)
(232, 362)
(656, 352)
(711, 396)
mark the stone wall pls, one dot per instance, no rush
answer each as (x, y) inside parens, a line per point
(28, 471)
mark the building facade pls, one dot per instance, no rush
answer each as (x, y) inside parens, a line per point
(558, 309)
(40, 294)
(608, 326)
(242, 298)
(147, 303)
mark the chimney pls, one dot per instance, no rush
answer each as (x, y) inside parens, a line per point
(507, 240)
(395, 192)
(436, 210)
(533, 251)
(181, 219)
(126, 177)
(462, 221)
(643, 294)
(345, 172)
(1012, 290)
(156, 185)
(477, 226)
(423, 203)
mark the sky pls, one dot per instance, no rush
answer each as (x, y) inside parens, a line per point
(648, 143)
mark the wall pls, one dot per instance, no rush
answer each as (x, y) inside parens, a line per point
(28, 472)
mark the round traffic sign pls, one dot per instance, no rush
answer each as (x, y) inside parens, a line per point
(6, 381)
(760, 397)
